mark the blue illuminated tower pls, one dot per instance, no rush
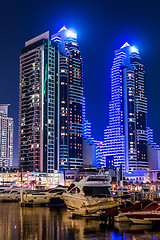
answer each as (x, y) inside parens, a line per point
(125, 139)
(71, 100)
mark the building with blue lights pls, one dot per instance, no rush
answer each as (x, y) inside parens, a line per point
(50, 103)
(125, 139)
(92, 149)
(71, 100)
(153, 151)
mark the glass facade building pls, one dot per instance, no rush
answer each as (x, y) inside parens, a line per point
(125, 139)
(71, 100)
(92, 149)
(50, 104)
(6, 137)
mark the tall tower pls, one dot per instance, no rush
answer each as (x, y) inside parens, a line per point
(71, 100)
(50, 112)
(125, 139)
(6, 137)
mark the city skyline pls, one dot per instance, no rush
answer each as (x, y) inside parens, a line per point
(141, 31)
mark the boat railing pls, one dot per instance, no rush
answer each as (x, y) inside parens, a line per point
(138, 196)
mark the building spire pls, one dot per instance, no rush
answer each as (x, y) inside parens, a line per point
(62, 29)
(125, 45)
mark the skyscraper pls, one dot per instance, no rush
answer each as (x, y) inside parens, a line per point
(153, 151)
(91, 148)
(71, 100)
(125, 139)
(6, 137)
(51, 93)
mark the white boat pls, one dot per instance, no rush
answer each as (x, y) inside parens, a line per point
(12, 195)
(90, 194)
(38, 197)
(121, 217)
(7, 187)
(138, 216)
(144, 221)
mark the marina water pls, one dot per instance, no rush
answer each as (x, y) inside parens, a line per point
(42, 223)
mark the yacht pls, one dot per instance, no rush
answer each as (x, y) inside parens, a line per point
(11, 195)
(90, 193)
(37, 197)
(7, 186)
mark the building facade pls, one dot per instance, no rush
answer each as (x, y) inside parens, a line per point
(91, 148)
(71, 100)
(125, 139)
(153, 151)
(50, 103)
(6, 137)
(37, 180)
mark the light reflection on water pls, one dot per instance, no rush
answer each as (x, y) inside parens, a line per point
(45, 224)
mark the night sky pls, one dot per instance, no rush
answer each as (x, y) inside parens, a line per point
(102, 27)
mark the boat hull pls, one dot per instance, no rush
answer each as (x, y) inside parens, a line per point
(73, 202)
(141, 221)
(91, 209)
(40, 199)
(84, 204)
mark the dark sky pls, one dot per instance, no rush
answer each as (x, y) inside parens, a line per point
(102, 27)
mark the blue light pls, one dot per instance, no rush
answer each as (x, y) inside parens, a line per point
(56, 39)
(62, 29)
(71, 34)
(125, 45)
(134, 49)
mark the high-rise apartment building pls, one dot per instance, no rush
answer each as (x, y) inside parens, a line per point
(6, 137)
(50, 109)
(125, 139)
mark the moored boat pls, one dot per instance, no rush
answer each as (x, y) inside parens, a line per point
(143, 221)
(90, 194)
(38, 198)
(121, 217)
(12, 195)
(146, 215)
(7, 186)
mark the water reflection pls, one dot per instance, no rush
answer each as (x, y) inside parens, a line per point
(45, 224)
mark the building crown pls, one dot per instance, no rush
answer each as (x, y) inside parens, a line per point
(125, 45)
